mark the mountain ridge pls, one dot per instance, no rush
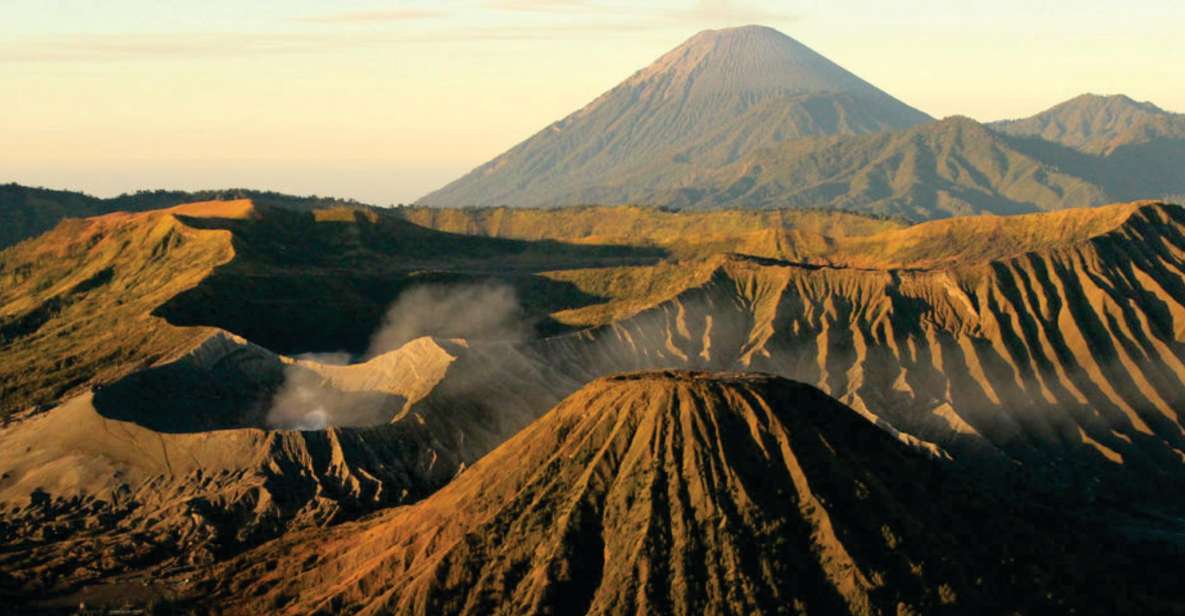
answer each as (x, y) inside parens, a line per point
(953, 167)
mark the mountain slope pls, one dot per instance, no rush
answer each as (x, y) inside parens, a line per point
(1088, 151)
(948, 168)
(1056, 340)
(181, 465)
(680, 233)
(133, 441)
(674, 493)
(95, 299)
(1098, 124)
(1046, 348)
(720, 95)
(1135, 150)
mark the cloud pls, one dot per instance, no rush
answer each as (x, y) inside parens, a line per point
(486, 311)
(556, 19)
(373, 16)
(483, 312)
(721, 12)
(190, 46)
(118, 47)
(543, 6)
(308, 401)
(729, 11)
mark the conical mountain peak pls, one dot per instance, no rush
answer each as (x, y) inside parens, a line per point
(751, 58)
(662, 492)
(715, 98)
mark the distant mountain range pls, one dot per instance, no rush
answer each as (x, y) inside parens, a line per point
(1099, 124)
(748, 117)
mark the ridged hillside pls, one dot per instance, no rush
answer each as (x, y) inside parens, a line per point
(658, 493)
(1043, 351)
(1065, 354)
(676, 493)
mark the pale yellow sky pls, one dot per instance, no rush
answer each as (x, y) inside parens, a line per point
(385, 101)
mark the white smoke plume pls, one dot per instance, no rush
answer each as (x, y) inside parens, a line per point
(304, 401)
(488, 311)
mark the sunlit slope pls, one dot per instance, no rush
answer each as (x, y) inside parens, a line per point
(1054, 352)
(27, 211)
(815, 237)
(1044, 345)
(765, 233)
(1039, 337)
(178, 465)
(97, 298)
(675, 492)
(76, 305)
(971, 240)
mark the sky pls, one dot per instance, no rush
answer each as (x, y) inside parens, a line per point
(384, 101)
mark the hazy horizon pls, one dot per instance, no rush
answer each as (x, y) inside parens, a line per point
(385, 101)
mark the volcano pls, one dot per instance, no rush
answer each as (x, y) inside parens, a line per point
(715, 98)
(1042, 350)
(670, 492)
